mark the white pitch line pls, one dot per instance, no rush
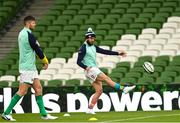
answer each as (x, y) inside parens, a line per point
(137, 118)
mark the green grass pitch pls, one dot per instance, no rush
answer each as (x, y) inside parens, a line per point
(138, 116)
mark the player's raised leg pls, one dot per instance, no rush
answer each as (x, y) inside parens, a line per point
(23, 87)
(98, 91)
(38, 92)
(117, 86)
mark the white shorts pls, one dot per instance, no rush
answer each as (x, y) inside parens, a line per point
(28, 76)
(92, 74)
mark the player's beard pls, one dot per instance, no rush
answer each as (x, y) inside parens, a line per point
(90, 43)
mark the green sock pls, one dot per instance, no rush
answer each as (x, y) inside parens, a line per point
(40, 103)
(13, 102)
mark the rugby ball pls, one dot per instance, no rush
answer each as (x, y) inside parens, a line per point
(148, 67)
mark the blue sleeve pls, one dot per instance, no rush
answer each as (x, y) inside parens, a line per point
(81, 54)
(107, 52)
(35, 46)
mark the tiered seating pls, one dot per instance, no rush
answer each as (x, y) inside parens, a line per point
(144, 28)
(8, 9)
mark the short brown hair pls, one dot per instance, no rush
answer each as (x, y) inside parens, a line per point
(29, 18)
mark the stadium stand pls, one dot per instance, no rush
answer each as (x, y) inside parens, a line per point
(147, 29)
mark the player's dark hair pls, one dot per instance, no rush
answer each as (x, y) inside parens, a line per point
(29, 18)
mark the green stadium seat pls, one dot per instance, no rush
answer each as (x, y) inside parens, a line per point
(78, 2)
(44, 39)
(159, 19)
(146, 80)
(110, 43)
(138, 5)
(69, 12)
(113, 16)
(116, 32)
(111, 1)
(166, 9)
(137, 25)
(64, 55)
(116, 75)
(78, 38)
(55, 83)
(162, 14)
(3, 68)
(55, 28)
(92, 21)
(84, 28)
(128, 81)
(133, 74)
(142, 20)
(44, 23)
(103, 27)
(146, 15)
(3, 84)
(57, 44)
(60, 22)
(163, 58)
(97, 16)
(145, 59)
(51, 50)
(124, 64)
(169, 74)
(150, 10)
(50, 55)
(66, 33)
(89, 6)
(101, 11)
(173, 4)
(68, 49)
(120, 11)
(105, 6)
(121, 6)
(101, 32)
(85, 12)
(121, 26)
(49, 34)
(139, 69)
(49, 18)
(134, 10)
(12, 72)
(159, 69)
(120, 70)
(154, 75)
(65, 17)
(130, 15)
(164, 80)
(93, 2)
(73, 82)
(177, 80)
(160, 63)
(154, 25)
(71, 28)
(133, 31)
(40, 28)
(104, 70)
(173, 68)
(154, 5)
(76, 44)
(77, 21)
(55, 13)
(74, 7)
(15, 84)
(112, 37)
(126, 20)
(108, 21)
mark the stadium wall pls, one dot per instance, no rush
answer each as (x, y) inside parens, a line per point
(76, 99)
